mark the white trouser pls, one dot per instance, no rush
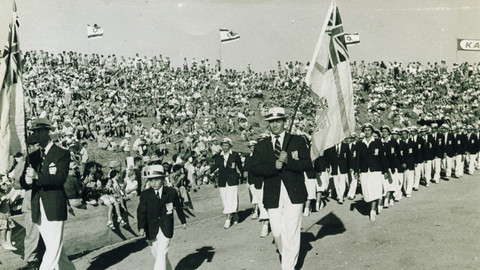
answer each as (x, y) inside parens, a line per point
(477, 160)
(340, 182)
(417, 175)
(437, 168)
(471, 163)
(448, 165)
(398, 183)
(352, 189)
(258, 193)
(52, 235)
(459, 165)
(408, 178)
(427, 169)
(286, 222)
(159, 248)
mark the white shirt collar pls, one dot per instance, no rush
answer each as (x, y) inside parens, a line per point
(281, 138)
(47, 148)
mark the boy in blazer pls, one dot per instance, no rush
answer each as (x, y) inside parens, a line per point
(155, 215)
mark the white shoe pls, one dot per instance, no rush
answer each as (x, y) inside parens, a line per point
(255, 215)
(408, 196)
(372, 215)
(385, 204)
(379, 209)
(392, 203)
(227, 224)
(264, 232)
(306, 212)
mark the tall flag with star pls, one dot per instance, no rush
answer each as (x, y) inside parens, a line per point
(227, 35)
(12, 111)
(94, 31)
(330, 79)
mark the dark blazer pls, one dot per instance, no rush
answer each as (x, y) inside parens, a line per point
(320, 165)
(298, 161)
(371, 157)
(338, 161)
(354, 154)
(419, 149)
(407, 153)
(439, 141)
(253, 179)
(49, 187)
(429, 150)
(449, 145)
(152, 212)
(228, 174)
(472, 143)
(460, 145)
(392, 154)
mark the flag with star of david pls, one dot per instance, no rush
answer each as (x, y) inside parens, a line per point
(330, 79)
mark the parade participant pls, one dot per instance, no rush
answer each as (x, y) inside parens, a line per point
(338, 158)
(282, 160)
(471, 149)
(428, 154)
(460, 144)
(230, 169)
(6, 222)
(448, 150)
(155, 215)
(371, 169)
(408, 163)
(398, 175)
(392, 153)
(256, 189)
(418, 151)
(45, 177)
(437, 161)
(352, 146)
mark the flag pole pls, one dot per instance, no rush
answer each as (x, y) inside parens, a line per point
(304, 85)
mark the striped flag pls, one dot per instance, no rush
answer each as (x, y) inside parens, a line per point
(330, 79)
(227, 35)
(351, 39)
(12, 111)
(94, 31)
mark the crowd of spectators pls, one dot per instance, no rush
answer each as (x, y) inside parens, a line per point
(145, 111)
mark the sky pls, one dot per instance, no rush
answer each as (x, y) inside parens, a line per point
(270, 31)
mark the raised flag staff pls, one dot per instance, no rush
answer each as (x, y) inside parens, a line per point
(225, 37)
(330, 79)
(12, 111)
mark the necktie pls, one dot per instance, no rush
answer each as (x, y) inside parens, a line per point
(338, 149)
(42, 158)
(278, 147)
(158, 193)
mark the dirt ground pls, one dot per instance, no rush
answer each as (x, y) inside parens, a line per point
(438, 228)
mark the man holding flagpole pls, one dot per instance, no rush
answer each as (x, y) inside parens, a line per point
(281, 159)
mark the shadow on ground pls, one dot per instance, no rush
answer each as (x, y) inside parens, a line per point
(331, 225)
(114, 256)
(196, 259)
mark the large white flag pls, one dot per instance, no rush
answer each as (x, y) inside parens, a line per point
(94, 31)
(330, 78)
(12, 112)
(227, 35)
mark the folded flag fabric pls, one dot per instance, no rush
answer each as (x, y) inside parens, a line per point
(227, 35)
(94, 31)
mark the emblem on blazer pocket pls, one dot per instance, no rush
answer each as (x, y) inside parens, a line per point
(52, 169)
(169, 207)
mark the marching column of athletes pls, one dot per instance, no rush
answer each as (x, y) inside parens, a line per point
(387, 164)
(383, 164)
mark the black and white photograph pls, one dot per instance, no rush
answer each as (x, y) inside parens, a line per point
(228, 134)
